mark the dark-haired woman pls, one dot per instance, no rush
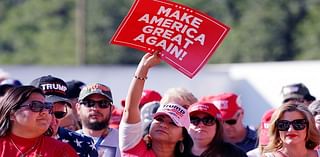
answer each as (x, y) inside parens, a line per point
(168, 136)
(24, 120)
(206, 131)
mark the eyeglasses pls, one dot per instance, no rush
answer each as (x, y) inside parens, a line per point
(37, 106)
(298, 124)
(101, 103)
(208, 121)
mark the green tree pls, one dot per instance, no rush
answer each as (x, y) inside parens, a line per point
(43, 32)
(103, 18)
(307, 37)
(264, 32)
(37, 31)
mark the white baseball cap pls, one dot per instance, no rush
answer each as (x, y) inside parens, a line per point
(177, 113)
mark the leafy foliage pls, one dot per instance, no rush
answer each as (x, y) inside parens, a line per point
(43, 32)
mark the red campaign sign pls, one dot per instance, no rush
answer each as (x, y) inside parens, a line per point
(186, 37)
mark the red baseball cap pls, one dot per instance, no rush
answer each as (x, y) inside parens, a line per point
(264, 127)
(225, 102)
(147, 96)
(205, 107)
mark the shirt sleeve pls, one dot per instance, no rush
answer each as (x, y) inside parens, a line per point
(129, 135)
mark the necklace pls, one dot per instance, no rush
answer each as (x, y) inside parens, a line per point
(284, 155)
(101, 138)
(28, 151)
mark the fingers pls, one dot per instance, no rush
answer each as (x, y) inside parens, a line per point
(158, 53)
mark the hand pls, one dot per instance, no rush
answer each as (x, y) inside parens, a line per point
(150, 60)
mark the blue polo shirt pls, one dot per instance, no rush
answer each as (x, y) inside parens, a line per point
(250, 141)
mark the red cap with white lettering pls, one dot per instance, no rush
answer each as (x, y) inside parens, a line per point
(227, 103)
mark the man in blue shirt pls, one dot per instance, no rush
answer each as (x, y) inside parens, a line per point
(235, 131)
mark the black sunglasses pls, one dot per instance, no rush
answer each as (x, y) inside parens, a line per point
(208, 121)
(298, 124)
(37, 106)
(232, 121)
(101, 103)
(59, 114)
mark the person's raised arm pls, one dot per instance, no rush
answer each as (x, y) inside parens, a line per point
(131, 113)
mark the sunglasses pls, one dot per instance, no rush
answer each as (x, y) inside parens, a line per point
(298, 124)
(59, 114)
(232, 121)
(208, 121)
(37, 106)
(101, 104)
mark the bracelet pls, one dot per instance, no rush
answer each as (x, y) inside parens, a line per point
(140, 78)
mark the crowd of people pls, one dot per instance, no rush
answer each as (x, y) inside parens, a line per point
(51, 117)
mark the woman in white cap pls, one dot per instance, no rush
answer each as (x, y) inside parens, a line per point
(168, 136)
(207, 132)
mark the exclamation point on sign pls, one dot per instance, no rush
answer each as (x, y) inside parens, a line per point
(183, 55)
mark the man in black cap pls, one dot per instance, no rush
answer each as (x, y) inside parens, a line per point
(71, 120)
(73, 91)
(55, 92)
(297, 92)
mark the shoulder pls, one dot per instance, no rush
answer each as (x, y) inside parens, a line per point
(84, 145)
(59, 147)
(114, 132)
(68, 134)
(51, 141)
(318, 152)
(139, 150)
(251, 132)
(253, 152)
(113, 135)
(268, 155)
(233, 150)
(230, 146)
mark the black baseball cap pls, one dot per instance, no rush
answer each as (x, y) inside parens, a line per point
(296, 91)
(74, 88)
(8, 83)
(54, 88)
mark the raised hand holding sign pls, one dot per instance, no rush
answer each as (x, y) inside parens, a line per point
(186, 36)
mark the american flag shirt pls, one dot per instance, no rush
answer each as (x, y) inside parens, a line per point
(83, 145)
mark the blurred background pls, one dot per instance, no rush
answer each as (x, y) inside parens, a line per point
(271, 43)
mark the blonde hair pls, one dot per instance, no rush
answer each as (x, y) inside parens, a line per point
(180, 96)
(312, 137)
